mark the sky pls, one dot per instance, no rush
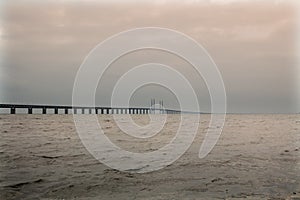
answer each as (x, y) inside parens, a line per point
(253, 43)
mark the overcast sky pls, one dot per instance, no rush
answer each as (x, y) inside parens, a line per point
(253, 43)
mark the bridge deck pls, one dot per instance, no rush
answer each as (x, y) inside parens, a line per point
(103, 110)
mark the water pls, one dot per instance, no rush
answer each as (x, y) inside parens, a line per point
(257, 156)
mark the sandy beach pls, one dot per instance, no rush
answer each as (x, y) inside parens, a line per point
(256, 157)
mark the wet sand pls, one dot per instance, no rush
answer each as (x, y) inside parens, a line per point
(257, 157)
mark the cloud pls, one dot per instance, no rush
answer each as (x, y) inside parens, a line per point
(253, 42)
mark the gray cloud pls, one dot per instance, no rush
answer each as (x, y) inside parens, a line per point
(253, 43)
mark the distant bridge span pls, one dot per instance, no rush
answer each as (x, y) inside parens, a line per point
(98, 110)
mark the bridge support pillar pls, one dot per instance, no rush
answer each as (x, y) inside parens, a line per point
(66, 111)
(44, 111)
(90, 111)
(13, 110)
(29, 110)
(56, 111)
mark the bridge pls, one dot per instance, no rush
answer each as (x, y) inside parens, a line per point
(91, 110)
